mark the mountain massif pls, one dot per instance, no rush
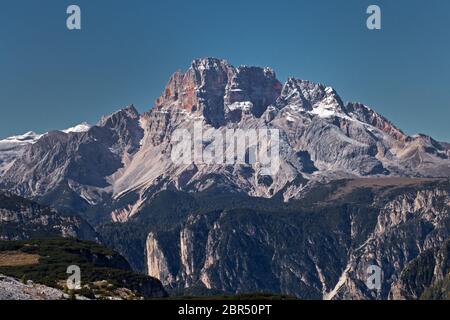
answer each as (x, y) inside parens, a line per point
(350, 190)
(126, 158)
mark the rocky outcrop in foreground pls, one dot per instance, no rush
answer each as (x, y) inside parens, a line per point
(12, 289)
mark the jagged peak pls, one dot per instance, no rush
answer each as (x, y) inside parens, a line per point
(211, 85)
(296, 83)
(424, 138)
(130, 111)
(127, 112)
(367, 115)
(209, 63)
(269, 72)
(218, 64)
(307, 96)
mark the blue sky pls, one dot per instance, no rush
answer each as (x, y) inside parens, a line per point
(52, 78)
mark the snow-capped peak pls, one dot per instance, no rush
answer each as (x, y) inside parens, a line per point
(29, 137)
(324, 110)
(82, 127)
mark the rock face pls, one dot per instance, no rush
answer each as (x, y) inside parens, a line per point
(407, 226)
(21, 219)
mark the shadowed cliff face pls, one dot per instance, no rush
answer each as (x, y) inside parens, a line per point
(426, 277)
(319, 253)
(316, 248)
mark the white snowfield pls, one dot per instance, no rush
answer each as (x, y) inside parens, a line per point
(29, 137)
(82, 127)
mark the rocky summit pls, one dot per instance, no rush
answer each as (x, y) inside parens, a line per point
(231, 226)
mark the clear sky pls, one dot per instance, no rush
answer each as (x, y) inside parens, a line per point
(53, 78)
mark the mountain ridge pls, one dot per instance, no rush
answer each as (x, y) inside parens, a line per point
(321, 138)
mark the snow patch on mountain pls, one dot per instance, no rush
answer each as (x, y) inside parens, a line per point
(325, 111)
(82, 127)
(244, 106)
(32, 137)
